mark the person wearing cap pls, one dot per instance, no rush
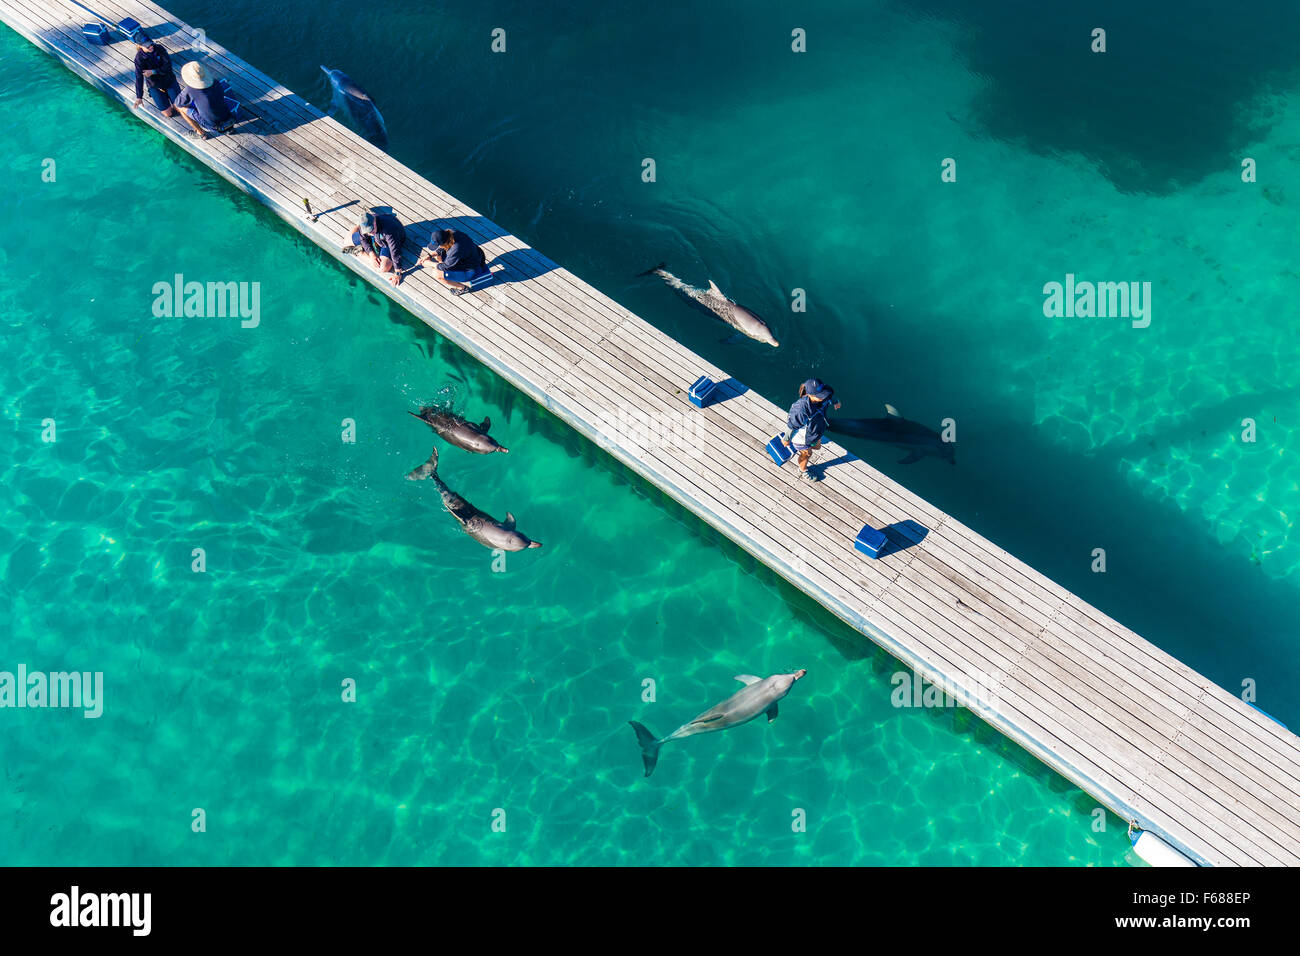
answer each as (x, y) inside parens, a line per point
(380, 236)
(153, 66)
(207, 101)
(453, 251)
(807, 421)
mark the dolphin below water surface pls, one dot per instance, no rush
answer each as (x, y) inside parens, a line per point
(479, 525)
(359, 106)
(918, 440)
(737, 316)
(760, 695)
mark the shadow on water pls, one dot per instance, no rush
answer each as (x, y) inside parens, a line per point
(1169, 102)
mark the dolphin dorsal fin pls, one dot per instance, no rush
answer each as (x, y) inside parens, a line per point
(748, 679)
(487, 423)
(509, 522)
(892, 411)
(713, 287)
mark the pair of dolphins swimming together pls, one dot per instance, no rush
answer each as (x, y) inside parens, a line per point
(479, 525)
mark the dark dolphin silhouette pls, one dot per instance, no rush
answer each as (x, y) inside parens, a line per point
(459, 432)
(360, 107)
(917, 439)
(760, 695)
(479, 525)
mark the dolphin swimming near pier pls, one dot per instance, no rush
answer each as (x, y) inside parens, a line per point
(760, 695)
(480, 526)
(459, 432)
(359, 106)
(917, 439)
(737, 316)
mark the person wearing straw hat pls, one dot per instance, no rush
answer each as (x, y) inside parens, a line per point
(199, 98)
(807, 422)
(153, 67)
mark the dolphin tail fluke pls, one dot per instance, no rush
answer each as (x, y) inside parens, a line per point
(428, 470)
(649, 746)
(649, 272)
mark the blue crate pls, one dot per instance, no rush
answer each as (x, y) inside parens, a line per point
(701, 391)
(128, 26)
(96, 33)
(870, 541)
(779, 450)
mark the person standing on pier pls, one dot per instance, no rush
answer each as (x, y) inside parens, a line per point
(453, 251)
(380, 236)
(153, 66)
(807, 422)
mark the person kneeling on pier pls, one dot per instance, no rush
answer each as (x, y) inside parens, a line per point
(453, 251)
(153, 66)
(202, 105)
(380, 235)
(807, 422)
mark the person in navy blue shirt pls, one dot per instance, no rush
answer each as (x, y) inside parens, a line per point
(153, 66)
(807, 422)
(206, 100)
(453, 251)
(380, 236)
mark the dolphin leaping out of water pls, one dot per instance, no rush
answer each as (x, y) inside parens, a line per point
(360, 107)
(480, 526)
(737, 316)
(759, 696)
(459, 432)
(918, 440)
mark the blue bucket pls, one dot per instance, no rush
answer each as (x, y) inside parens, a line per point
(779, 450)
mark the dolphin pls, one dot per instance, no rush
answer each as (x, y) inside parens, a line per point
(459, 432)
(737, 316)
(360, 107)
(918, 440)
(482, 527)
(759, 696)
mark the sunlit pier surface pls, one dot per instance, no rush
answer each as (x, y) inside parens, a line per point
(1145, 735)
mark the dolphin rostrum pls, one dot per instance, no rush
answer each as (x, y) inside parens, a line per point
(359, 106)
(737, 316)
(480, 526)
(918, 440)
(759, 696)
(459, 432)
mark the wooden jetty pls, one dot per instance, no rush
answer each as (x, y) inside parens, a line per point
(1147, 736)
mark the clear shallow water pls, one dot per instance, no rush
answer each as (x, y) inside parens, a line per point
(482, 690)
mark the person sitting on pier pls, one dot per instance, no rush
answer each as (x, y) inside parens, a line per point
(380, 235)
(453, 251)
(153, 66)
(199, 98)
(807, 422)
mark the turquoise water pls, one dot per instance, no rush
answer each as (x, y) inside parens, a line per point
(480, 690)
